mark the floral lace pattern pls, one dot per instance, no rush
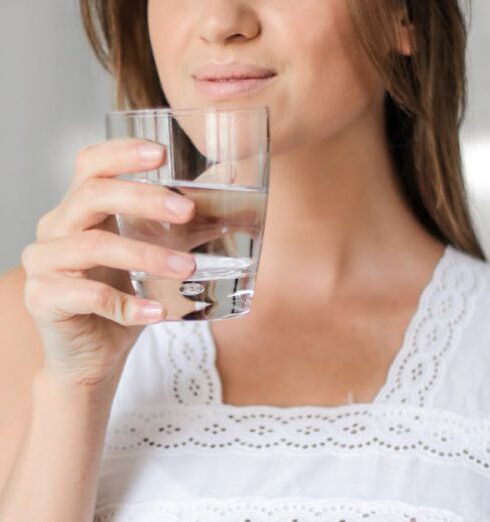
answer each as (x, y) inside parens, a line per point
(433, 332)
(392, 429)
(274, 510)
(431, 336)
(392, 425)
(402, 420)
(193, 381)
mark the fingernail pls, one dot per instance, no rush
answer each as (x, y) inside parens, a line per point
(150, 152)
(180, 263)
(178, 205)
(152, 310)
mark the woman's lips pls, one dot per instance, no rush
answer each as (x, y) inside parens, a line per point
(231, 87)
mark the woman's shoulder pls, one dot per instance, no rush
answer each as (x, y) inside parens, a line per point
(461, 326)
(469, 287)
(17, 327)
(464, 280)
(20, 344)
(20, 358)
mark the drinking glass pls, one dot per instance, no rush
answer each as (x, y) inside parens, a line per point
(219, 158)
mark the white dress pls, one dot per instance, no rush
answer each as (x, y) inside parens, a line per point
(419, 452)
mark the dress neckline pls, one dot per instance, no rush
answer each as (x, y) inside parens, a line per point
(399, 363)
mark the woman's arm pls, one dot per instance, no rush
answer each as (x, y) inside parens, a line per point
(77, 291)
(55, 474)
(52, 430)
(21, 357)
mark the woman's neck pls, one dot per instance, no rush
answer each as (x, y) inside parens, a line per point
(337, 219)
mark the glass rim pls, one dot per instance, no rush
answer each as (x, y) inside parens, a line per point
(169, 111)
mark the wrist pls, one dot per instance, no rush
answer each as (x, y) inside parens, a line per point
(58, 463)
(55, 388)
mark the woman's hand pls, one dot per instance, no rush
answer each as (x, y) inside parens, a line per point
(77, 285)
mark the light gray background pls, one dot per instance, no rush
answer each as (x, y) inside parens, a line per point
(54, 95)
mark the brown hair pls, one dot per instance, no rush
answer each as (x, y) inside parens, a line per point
(425, 94)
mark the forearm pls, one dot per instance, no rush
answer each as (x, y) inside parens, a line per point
(55, 474)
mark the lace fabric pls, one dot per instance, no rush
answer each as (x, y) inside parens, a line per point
(398, 430)
(276, 510)
(444, 306)
(190, 417)
(416, 372)
(415, 375)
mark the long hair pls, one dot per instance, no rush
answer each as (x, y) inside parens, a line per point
(425, 98)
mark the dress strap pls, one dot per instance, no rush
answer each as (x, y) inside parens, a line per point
(189, 359)
(434, 333)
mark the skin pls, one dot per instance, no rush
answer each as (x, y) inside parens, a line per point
(349, 245)
(352, 251)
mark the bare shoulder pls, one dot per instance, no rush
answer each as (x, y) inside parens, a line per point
(20, 358)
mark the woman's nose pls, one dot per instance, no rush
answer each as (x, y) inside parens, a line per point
(223, 21)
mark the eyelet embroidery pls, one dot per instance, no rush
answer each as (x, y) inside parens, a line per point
(192, 379)
(433, 334)
(297, 509)
(416, 373)
(391, 424)
(394, 424)
(391, 429)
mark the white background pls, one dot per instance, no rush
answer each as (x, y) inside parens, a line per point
(53, 96)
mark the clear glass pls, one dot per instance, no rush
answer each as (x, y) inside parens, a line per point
(219, 158)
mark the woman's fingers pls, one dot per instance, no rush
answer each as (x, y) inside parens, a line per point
(97, 198)
(115, 157)
(91, 248)
(54, 299)
(101, 161)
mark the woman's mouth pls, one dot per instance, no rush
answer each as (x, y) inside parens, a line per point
(219, 81)
(226, 88)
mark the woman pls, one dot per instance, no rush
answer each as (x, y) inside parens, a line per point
(306, 408)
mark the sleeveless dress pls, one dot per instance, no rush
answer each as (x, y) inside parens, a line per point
(419, 452)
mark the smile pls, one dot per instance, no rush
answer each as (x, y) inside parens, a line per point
(230, 87)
